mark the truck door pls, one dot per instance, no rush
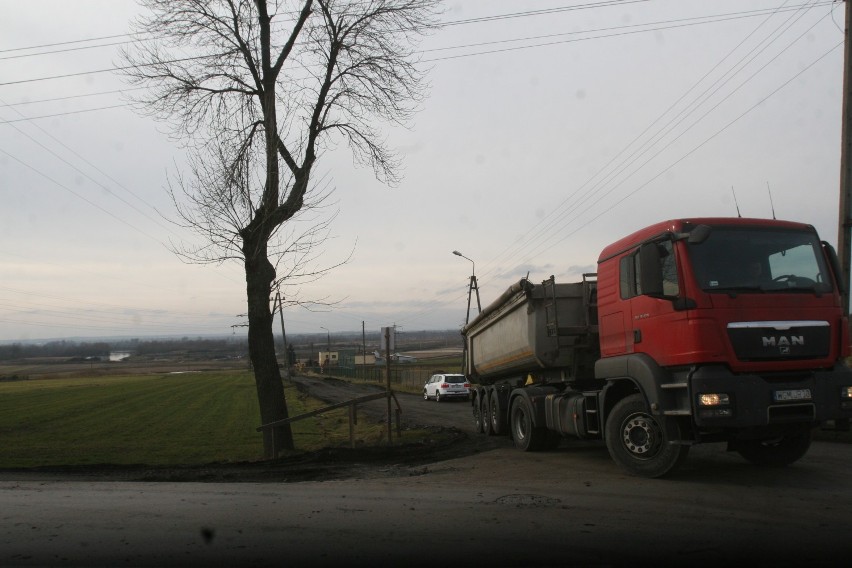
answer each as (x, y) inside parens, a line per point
(657, 328)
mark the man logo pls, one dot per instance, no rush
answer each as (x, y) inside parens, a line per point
(783, 341)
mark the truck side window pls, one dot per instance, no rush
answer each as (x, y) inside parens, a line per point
(669, 268)
(626, 278)
(630, 272)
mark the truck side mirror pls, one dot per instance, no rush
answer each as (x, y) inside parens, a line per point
(699, 234)
(835, 267)
(651, 272)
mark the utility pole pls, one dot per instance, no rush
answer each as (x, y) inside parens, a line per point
(279, 301)
(844, 225)
(387, 334)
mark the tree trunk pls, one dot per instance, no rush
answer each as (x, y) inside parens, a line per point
(267, 376)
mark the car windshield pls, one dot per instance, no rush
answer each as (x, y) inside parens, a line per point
(454, 379)
(760, 260)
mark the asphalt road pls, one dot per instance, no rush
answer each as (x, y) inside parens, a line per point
(499, 507)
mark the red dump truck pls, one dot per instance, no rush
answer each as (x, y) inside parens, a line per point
(692, 330)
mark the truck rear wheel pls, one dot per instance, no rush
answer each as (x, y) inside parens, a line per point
(640, 442)
(498, 418)
(477, 416)
(485, 412)
(526, 436)
(778, 451)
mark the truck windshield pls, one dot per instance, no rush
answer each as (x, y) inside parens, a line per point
(760, 260)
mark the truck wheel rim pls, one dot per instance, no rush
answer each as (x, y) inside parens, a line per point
(641, 436)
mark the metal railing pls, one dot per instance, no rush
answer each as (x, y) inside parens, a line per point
(353, 416)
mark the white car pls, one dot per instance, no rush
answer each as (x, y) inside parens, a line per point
(445, 386)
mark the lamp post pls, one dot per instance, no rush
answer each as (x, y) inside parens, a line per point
(471, 287)
(327, 346)
(327, 339)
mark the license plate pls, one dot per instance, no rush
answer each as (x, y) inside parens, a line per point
(792, 394)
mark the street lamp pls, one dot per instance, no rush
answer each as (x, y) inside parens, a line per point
(457, 253)
(471, 287)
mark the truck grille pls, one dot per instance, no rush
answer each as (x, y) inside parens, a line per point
(780, 340)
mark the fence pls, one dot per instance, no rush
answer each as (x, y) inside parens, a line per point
(406, 378)
(352, 405)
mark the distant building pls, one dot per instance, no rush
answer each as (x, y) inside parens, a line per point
(368, 359)
(328, 358)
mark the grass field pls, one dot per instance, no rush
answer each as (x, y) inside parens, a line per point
(168, 419)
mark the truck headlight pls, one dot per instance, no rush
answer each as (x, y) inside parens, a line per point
(714, 399)
(714, 405)
(846, 398)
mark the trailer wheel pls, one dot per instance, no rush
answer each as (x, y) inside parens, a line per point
(497, 415)
(640, 442)
(779, 451)
(477, 415)
(485, 412)
(526, 436)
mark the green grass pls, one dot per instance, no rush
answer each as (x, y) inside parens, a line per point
(171, 419)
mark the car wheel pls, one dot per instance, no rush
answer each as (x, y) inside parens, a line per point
(437, 396)
(425, 394)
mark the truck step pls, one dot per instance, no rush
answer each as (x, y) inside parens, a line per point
(593, 421)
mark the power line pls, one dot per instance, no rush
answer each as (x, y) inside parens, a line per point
(606, 3)
(544, 231)
(66, 113)
(72, 192)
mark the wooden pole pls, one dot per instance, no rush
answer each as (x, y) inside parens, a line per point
(388, 374)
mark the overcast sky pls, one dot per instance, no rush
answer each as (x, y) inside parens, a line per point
(543, 138)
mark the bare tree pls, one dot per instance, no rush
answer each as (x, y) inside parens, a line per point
(259, 88)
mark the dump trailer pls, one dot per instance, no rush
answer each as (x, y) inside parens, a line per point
(692, 331)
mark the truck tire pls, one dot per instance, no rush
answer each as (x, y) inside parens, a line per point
(779, 451)
(526, 436)
(477, 415)
(639, 442)
(485, 412)
(497, 414)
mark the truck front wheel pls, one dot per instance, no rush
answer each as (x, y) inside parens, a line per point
(640, 442)
(778, 451)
